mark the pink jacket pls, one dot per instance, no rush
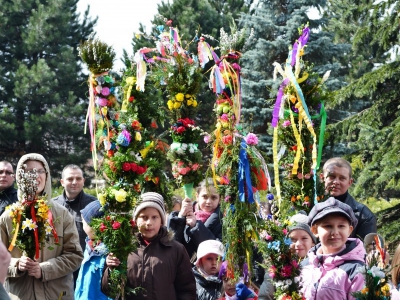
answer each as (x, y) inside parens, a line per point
(334, 277)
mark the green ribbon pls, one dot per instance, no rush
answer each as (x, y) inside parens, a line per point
(322, 113)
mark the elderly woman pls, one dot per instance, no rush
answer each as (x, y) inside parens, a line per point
(49, 276)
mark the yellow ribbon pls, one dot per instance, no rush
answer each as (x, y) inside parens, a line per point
(12, 244)
(146, 150)
(300, 147)
(215, 153)
(130, 81)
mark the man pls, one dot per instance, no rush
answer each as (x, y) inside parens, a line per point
(337, 176)
(8, 194)
(74, 199)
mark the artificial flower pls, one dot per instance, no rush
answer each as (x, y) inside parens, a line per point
(120, 195)
(116, 225)
(251, 139)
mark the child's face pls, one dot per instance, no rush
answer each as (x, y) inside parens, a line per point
(89, 230)
(149, 222)
(176, 207)
(337, 180)
(333, 231)
(229, 286)
(211, 263)
(301, 242)
(208, 199)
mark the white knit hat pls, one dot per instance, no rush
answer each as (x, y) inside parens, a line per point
(209, 247)
(153, 200)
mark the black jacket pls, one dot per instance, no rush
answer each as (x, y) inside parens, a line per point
(7, 197)
(192, 237)
(366, 218)
(75, 207)
(207, 288)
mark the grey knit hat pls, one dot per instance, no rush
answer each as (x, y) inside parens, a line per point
(153, 200)
(299, 221)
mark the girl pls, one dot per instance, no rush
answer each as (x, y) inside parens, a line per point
(206, 269)
(160, 265)
(199, 221)
(332, 269)
(235, 290)
(395, 291)
(302, 241)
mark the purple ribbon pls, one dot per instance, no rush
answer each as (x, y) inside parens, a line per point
(277, 107)
(303, 39)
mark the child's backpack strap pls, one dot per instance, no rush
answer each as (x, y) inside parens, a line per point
(350, 267)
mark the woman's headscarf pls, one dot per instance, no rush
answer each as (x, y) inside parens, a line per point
(37, 157)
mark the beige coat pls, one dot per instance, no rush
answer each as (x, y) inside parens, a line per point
(57, 265)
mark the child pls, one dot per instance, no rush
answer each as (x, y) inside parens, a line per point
(206, 269)
(395, 291)
(160, 265)
(235, 290)
(302, 241)
(332, 269)
(88, 282)
(200, 221)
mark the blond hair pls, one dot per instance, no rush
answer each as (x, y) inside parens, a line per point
(338, 162)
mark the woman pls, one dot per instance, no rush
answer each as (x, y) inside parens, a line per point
(50, 276)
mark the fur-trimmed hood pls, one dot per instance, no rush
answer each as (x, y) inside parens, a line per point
(37, 157)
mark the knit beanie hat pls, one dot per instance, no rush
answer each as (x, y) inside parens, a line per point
(92, 210)
(37, 157)
(153, 200)
(299, 221)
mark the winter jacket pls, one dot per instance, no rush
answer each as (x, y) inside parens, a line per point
(192, 237)
(74, 207)
(7, 197)
(334, 277)
(88, 284)
(366, 218)
(162, 269)
(207, 288)
(57, 264)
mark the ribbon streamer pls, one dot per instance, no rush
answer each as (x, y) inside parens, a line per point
(244, 175)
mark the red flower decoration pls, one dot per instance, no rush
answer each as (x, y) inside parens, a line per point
(133, 223)
(126, 166)
(103, 227)
(131, 99)
(134, 167)
(227, 139)
(180, 129)
(168, 23)
(136, 125)
(116, 225)
(154, 124)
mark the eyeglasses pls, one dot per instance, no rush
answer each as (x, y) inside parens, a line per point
(40, 172)
(6, 172)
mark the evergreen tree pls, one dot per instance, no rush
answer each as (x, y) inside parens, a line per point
(371, 137)
(276, 26)
(42, 86)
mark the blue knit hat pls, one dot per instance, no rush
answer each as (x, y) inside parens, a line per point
(92, 210)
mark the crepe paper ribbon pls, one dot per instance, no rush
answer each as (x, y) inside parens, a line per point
(146, 150)
(276, 167)
(244, 175)
(204, 53)
(278, 103)
(321, 134)
(215, 153)
(90, 119)
(141, 69)
(380, 247)
(14, 239)
(130, 81)
(216, 81)
(51, 223)
(302, 41)
(300, 147)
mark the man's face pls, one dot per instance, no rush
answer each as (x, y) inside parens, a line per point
(72, 182)
(337, 180)
(6, 176)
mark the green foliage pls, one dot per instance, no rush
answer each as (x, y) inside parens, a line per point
(97, 55)
(42, 91)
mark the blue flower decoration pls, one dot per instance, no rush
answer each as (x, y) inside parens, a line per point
(287, 241)
(274, 245)
(270, 196)
(160, 28)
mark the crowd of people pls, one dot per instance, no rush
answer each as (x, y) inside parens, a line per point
(181, 254)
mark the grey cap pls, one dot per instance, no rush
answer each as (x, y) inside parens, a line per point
(330, 206)
(299, 221)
